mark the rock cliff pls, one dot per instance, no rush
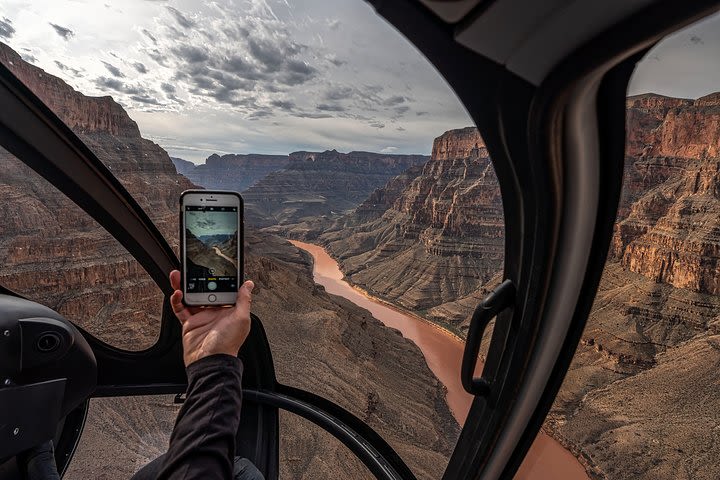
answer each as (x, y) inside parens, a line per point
(321, 185)
(232, 172)
(52, 252)
(439, 227)
(669, 231)
(635, 402)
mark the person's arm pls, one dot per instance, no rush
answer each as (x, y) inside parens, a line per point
(202, 444)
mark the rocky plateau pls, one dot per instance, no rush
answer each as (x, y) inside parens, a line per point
(231, 172)
(320, 185)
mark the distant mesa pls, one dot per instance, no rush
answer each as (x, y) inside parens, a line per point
(231, 171)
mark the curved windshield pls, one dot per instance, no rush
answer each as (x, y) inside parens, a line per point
(641, 397)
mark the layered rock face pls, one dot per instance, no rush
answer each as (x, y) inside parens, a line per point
(638, 398)
(182, 166)
(232, 172)
(670, 232)
(321, 185)
(53, 252)
(440, 228)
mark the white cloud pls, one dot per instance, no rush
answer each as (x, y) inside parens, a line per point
(247, 75)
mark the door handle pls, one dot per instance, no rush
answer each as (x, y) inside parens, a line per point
(500, 299)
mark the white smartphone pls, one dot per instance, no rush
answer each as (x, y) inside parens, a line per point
(211, 246)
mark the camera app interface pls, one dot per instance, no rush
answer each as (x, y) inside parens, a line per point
(211, 249)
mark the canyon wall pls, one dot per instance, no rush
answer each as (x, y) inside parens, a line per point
(670, 231)
(320, 185)
(439, 227)
(640, 393)
(52, 252)
(231, 172)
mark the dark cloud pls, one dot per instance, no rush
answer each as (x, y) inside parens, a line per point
(400, 129)
(402, 110)
(159, 57)
(259, 114)
(113, 70)
(394, 100)
(143, 95)
(695, 40)
(144, 98)
(141, 68)
(339, 93)
(377, 125)
(420, 114)
(237, 65)
(6, 28)
(325, 107)
(167, 88)
(230, 81)
(67, 69)
(64, 32)
(336, 61)
(287, 105)
(112, 83)
(270, 56)
(181, 19)
(150, 36)
(191, 53)
(29, 58)
(312, 115)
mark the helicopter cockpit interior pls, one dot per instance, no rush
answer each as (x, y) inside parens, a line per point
(545, 84)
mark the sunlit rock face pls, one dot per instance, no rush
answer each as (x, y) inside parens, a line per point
(668, 228)
(431, 235)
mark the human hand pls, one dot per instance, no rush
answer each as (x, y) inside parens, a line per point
(207, 331)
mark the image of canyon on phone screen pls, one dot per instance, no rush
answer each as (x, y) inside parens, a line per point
(212, 247)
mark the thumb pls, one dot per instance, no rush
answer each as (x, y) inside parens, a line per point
(244, 295)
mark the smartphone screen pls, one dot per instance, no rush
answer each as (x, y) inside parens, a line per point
(212, 257)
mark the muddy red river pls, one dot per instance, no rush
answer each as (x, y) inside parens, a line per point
(547, 459)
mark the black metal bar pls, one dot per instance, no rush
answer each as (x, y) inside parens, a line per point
(500, 299)
(364, 450)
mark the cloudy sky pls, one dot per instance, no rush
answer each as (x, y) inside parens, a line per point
(211, 223)
(274, 76)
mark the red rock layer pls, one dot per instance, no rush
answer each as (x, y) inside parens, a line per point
(668, 228)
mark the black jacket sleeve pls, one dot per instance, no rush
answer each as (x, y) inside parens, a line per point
(202, 444)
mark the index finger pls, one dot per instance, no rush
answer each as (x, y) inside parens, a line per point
(175, 279)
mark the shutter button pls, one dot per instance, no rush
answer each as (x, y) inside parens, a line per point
(212, 298)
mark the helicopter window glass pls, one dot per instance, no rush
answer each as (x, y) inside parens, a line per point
(642, 389)
(338, 134)
(54, 253)
(307, 451)
(121, 435)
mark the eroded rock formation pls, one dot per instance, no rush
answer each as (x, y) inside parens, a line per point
(439, 228)
(321, 185)
(232, 172)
